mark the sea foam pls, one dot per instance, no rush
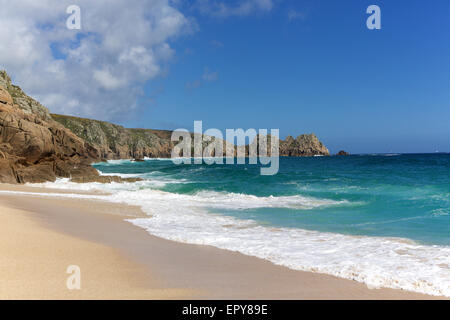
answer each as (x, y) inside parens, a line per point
(376, 261)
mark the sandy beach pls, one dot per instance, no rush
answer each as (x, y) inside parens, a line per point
(41, 236)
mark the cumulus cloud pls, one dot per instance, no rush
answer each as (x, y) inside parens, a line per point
(98, 71)
(222, 8)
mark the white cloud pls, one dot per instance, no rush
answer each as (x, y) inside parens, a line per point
(98, 71)
(106, 80)
(222, 8)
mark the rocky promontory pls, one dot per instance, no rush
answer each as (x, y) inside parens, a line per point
(305, 145)
(36, 146)
(116, 142)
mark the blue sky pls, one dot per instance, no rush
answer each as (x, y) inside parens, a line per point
(384, 90)
(300, 66)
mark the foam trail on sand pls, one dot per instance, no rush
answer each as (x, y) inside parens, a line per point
(377, 261)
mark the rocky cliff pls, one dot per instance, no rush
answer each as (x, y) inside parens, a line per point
(305, 145)
(37, 146)
(27, 104)
(116, 142)
(34, 148)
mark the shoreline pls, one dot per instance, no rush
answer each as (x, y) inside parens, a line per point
(36, 260)
(181, 270)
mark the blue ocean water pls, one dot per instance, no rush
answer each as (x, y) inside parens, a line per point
(402, 195)
(382, 220)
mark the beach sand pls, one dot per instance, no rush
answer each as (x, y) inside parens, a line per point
(41, 236)
(34, 261)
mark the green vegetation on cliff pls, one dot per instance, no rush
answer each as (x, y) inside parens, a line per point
(115, 141)
(22, 100)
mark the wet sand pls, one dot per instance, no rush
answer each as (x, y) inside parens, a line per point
(41, 236)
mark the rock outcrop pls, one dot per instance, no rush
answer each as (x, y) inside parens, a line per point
(36, 146)
(342, 153)
(116, 142)
(27, 104)
(305, 145)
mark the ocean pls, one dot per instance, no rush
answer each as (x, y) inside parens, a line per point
(383, 220)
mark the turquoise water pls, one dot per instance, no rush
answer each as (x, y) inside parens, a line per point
(382, 220)
(406, 196)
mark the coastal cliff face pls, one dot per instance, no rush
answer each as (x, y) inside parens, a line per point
(36, 146)
(116, 142)
(25, 103)
(33, 147)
